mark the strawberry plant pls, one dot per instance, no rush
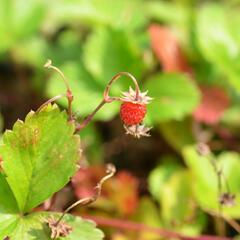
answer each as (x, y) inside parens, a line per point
(38, 158)
(185, 54)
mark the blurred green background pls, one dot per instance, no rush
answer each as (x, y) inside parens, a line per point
(186, 53)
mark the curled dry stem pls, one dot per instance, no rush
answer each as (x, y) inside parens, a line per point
(110, 171)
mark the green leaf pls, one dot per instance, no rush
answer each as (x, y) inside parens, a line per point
(167, 12)
(217, 43)
(205, 179)
(151, 217)
(8, 223)
(170, 185)
(83, 229)
(177, 133)
(178, 192)
(31, 51)
(108, 52)
(8, 202)
(67, 48)
(39, 156)
(18, 20)
(33, 227)
(160, 175)
(174, 95)
(123, 14)
(87, 92)
(231, 117)
(229, 162)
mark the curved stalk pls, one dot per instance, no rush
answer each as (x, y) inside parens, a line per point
(69, 94)
(110, 170)
(50, 101)
(117, 76)
(108, 99)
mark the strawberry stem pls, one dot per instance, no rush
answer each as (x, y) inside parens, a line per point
(117, 76)
(50, 101)
(69, 94)
(108, 99)
(88, 119)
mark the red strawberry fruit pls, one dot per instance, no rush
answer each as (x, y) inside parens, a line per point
(132, 113)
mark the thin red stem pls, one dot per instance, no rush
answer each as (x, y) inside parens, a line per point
(133, 226)
(108, 99)
(88, 119)
(117, 76)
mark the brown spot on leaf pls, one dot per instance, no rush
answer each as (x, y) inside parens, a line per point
(28, 136)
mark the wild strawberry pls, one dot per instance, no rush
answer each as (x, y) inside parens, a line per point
(132, 113)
